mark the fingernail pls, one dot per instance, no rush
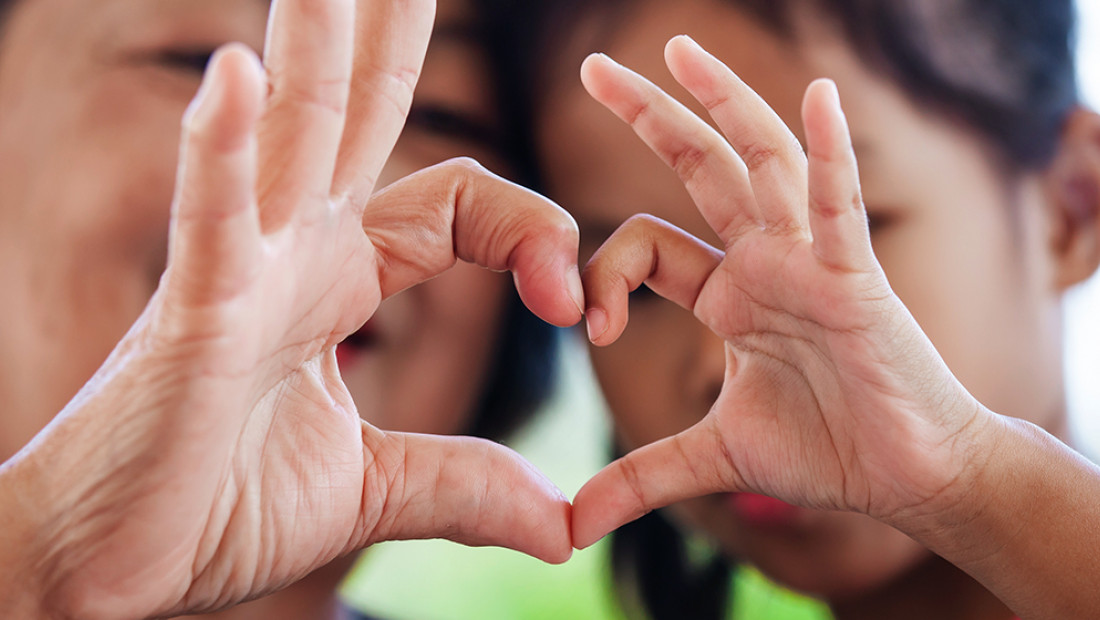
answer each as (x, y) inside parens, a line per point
(597, 323)
(576, 288)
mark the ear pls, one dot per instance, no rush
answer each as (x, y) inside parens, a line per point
(1073, 192)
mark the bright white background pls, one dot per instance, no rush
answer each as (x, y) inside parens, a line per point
(1083, 307)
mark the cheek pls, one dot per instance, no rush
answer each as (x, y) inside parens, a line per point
(87, 213)
(131, 139)
(439, 342)
(966, 281)
(661, 376)
(99, 173)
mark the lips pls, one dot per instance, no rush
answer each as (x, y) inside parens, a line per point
(763, 510)
(356, 344)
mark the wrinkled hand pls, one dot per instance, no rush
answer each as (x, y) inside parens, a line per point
(833, 397)
(217, 455)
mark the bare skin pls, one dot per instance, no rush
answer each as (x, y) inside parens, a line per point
(221, 415)
(87, 160)
(833, 397)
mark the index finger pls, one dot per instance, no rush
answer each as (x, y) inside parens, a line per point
(458, 210)
(775, 160)
(710, 170)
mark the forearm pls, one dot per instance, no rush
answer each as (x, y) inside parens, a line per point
(1027, 525)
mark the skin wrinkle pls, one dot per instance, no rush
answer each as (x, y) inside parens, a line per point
(394, 482)
(328, 96)
(689, 162)
(156, 93)
(486, 494)
(370, 456)
(197, 571)
(935, 494)
(737, 480)
(405, 78)
(678, 441)
(633, 482)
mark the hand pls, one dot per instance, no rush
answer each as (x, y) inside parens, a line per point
(833, 398)
(217, 455)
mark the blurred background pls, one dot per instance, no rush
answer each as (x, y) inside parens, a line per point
(1083, 308)
(434, 580)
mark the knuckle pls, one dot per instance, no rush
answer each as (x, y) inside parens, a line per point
(394, 85)
(637, 113)
(718, 101)
(327, 96)
(461, 177)
(464, 166)
(206, 135)
(640, 222)
(636, 486)
(688, 161)
(639, 226)
(562, 231)
(757, 156)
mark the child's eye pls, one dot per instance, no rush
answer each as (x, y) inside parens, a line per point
(185, 60)
(447, 123)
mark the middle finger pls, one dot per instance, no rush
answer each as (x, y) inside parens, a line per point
(308, 57)
(775, 160)
(709, 168)
(392, 38)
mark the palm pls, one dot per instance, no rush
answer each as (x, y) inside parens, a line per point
(223, 416)
(814, 408)
(799, 376)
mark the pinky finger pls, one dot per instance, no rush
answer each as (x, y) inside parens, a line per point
(645, 250)
(215, 239)
(838, 219)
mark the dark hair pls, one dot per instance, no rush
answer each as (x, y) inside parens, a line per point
(524, 370)
(5, 8)
(522, 376)
(656, 572)
(1002, 69)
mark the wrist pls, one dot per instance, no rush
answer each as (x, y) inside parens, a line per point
(959, 468)
(980, 510)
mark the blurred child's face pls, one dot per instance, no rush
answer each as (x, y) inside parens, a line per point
(91, 97)
(963, 247)
(422, 361)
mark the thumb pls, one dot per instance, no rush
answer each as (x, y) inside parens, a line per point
(692, 463)
(471, 491)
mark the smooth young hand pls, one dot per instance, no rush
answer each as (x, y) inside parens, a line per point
(833, 397)
(217, 455)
